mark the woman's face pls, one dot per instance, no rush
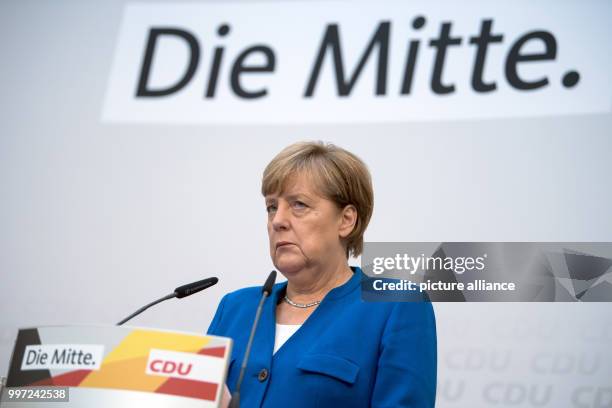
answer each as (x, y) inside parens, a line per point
(305, 229)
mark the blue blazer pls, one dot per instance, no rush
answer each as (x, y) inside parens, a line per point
(348, 353)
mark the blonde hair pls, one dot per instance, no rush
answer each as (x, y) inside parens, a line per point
(338, 175)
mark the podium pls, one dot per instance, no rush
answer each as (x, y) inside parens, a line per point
(110, 366)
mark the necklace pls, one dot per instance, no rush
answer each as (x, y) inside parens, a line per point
(301, 305)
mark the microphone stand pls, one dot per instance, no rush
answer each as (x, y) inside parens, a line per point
(180, 292)
(266, 291)
(142, 309)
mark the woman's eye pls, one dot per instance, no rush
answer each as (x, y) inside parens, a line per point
(299, 205)
(270, 208)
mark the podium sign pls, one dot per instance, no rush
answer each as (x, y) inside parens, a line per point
(119, 367)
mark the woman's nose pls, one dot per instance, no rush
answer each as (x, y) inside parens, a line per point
(280, 220)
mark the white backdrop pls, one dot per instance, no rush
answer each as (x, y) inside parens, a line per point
(99, 217)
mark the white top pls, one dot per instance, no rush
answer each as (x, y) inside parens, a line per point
(283, 332)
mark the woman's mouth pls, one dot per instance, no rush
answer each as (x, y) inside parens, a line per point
(281, 244)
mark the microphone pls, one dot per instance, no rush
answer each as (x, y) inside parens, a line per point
(195, 287)
(179, 293)
(266, 290)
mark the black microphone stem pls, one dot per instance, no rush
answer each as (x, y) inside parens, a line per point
(179, 293)
(266, 291)
(250, 343)
(142, 309)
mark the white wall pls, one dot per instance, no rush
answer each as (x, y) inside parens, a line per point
(98, 218)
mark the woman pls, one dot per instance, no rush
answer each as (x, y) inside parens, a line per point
(317, 343)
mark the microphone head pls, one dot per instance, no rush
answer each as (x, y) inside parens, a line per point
(195, 287)
(267, 287)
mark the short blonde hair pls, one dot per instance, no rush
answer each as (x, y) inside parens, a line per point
(339, 176)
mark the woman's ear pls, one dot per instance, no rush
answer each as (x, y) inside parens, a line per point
(348, 220)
